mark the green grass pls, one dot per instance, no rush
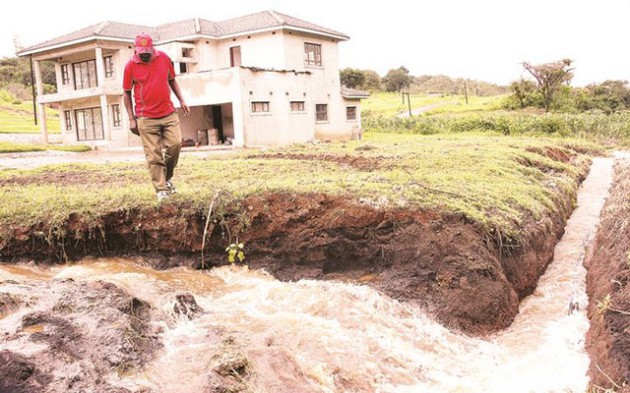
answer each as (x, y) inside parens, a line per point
(12, 147)
(485, 179)
(391, 104)
(18, 118)
(475, 104)
(600, 128)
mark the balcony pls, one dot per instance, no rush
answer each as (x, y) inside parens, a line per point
(107, 88)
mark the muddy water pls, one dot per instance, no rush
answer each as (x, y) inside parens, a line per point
(311, 336)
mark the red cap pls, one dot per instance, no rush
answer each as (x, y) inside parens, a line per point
(144, 43)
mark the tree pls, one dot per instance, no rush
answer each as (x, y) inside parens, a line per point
(17, 70)
(550, 77)
(609, 97)
(523, 92)
(372, 81)
(351, 77)
(397, 79)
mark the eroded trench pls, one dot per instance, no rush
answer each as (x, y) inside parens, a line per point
(351, 299)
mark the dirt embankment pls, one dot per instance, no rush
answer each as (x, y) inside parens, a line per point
(608, 339)
(445, 263)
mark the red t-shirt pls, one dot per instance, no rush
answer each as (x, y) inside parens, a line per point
(150, 82)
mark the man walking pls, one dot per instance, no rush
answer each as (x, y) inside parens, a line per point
(151, 74)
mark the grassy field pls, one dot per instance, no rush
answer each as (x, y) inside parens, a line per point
(475, 104)
(612, 130)
(18, 118)
(391, 104)
(497, 182)
(12, 147)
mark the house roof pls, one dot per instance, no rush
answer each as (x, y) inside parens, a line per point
(347, 92)
(186, 28)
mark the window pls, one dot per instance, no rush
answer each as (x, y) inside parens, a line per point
(235, 56)
(260, 106)
(351, 113)
(116, 115)
(65, 74)
(109, 66)
(84, 74)
(183, 68)
(89, 124)
(297, 106)
(68, 119)
(312, 54)
(187, 52)
(321, 112)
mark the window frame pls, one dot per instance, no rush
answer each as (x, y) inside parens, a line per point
(67, 114)
(90, 77)
(354, 108)
(187, 53)
(318, 113)
(233, 57)
(65, 74)
(116, 119)
(301, 108)
(92, 111)
(253, 107)
(317, 60)
(109, 66)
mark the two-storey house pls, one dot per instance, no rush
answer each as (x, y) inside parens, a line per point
(260, 79)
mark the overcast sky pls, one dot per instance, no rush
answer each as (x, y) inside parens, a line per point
(478, 39)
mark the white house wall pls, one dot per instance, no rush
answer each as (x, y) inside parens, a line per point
(279, 126)
(263, 50)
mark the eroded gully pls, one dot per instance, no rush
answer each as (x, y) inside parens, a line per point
(314, 336)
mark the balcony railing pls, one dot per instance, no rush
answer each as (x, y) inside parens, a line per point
(107, 88)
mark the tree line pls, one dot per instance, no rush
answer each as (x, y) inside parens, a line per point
(399, 79)
(15, 77)
(551, 90)
(548, 87)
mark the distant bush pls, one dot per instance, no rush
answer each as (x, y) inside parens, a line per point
(614, 128)
(5, 96)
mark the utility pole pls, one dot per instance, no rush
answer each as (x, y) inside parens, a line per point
(409, 104)
(33, 90)
(466, 91)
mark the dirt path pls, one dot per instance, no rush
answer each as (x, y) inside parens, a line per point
(31, 160)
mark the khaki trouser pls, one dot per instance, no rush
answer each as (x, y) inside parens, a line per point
(158, 134)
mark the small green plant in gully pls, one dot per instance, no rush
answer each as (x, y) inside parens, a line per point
(604, 304)
(235, 251)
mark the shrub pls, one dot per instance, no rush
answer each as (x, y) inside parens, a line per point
(594, 126)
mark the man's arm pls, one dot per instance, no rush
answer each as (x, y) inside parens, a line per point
(133, 125)
(178, 94)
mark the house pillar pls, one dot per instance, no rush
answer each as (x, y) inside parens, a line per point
(100, 77)
(41, 108)
(238, 123)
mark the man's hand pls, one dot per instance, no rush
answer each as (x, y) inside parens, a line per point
(185, 108)
(133, 126)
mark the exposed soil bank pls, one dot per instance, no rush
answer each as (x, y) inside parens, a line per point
(451, 267)
(608, 340)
